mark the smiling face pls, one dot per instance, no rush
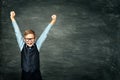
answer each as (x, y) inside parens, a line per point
(29, 37)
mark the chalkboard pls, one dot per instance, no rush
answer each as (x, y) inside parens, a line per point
(82, 45)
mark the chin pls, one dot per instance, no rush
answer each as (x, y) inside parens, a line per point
(30, 45)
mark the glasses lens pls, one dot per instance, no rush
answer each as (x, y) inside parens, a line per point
(28, 39)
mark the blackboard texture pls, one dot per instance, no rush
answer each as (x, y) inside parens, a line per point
(82, 45)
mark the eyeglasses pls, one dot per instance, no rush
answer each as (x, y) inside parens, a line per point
(29, 39)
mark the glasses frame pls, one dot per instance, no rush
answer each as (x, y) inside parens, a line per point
(29, 39)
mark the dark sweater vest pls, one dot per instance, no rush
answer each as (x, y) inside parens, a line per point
(30, 58)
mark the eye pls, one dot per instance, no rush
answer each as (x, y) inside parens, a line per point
(28, 39)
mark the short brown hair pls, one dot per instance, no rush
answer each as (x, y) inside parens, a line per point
(29, 31)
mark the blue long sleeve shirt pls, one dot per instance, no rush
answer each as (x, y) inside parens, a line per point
(20, 39)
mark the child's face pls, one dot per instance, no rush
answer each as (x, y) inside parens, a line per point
(29, 39)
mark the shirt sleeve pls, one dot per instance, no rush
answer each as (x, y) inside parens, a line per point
(43, 36)
(18, 35)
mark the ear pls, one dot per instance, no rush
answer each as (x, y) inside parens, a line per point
(24, 39)
(35, 38)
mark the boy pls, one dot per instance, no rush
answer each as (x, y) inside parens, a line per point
(29, 48)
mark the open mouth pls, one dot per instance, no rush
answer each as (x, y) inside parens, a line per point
(29, 44)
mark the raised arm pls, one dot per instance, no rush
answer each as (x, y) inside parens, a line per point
(17, 30)
(43, 36)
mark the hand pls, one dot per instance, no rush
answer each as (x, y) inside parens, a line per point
(54, 17)
(12, 15)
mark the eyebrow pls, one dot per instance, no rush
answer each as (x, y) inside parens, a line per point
(28, 38)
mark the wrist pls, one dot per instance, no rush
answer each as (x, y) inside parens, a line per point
(53, 19)
(12, 19)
